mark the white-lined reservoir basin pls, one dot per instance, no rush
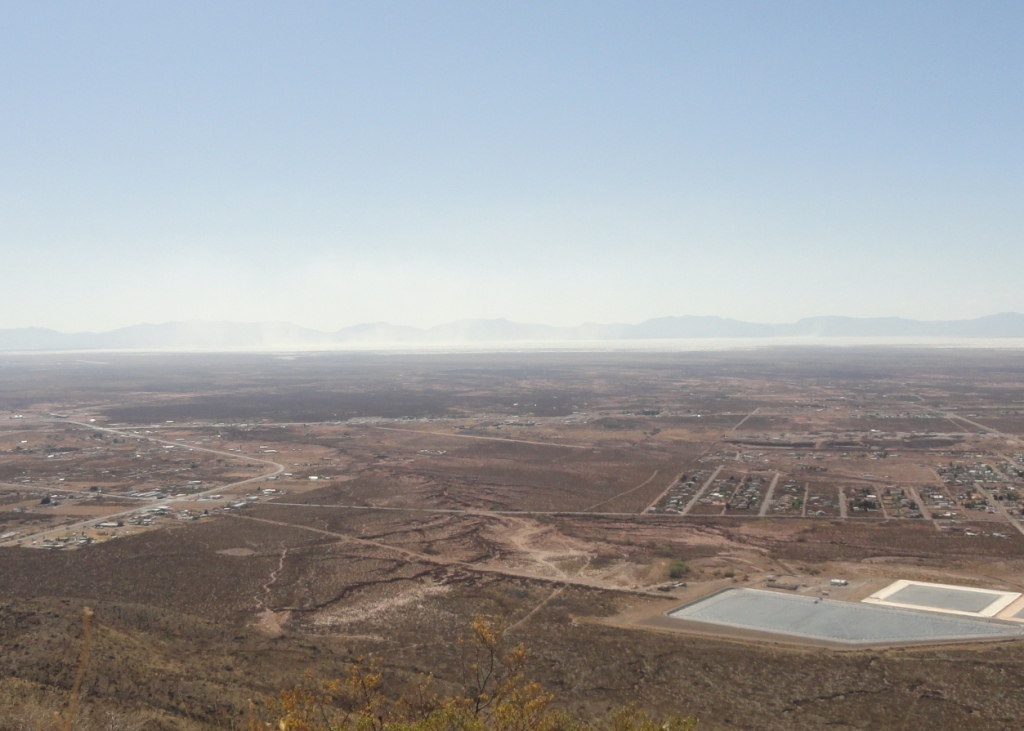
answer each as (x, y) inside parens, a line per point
(948, 598)
(837, 621)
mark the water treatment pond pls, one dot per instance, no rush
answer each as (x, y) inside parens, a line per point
(836, 621)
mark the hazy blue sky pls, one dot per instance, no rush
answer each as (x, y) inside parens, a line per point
(560, 162)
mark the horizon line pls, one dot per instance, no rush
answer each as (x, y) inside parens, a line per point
(507, 320)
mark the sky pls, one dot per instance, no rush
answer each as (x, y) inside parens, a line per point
(335, 163)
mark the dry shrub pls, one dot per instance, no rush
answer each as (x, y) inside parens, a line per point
(496, 696)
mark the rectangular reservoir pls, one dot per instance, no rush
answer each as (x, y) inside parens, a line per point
(836, 621)
(946, 598)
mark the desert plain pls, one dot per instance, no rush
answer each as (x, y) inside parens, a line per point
(239, 521)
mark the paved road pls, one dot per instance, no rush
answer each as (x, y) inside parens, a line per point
(632, 490)
(694, 519)
(768, 496)
(703, 488)
(29, 488)
(743, 420)
(490, 439)
(916, 496)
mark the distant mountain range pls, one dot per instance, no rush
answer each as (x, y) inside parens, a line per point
(230, 336)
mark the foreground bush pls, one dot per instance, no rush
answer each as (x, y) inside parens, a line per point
(495, 696)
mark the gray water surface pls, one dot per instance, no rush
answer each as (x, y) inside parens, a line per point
(836, 621)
